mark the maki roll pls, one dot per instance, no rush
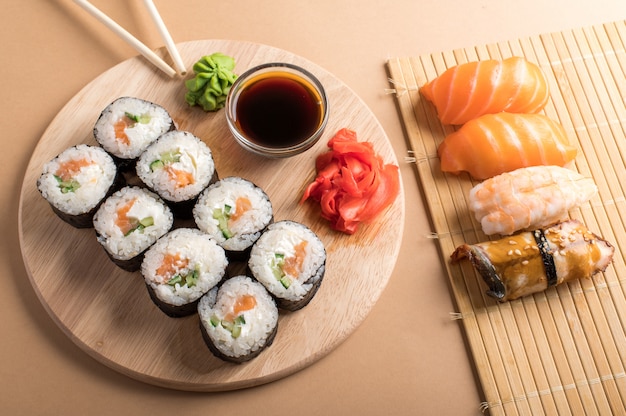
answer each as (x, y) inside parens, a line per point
(77, 181)
(128, 125)
(238, 319)
(180, 268)
(177, 166)
(289, 260)
(235, 212)
(129, 222)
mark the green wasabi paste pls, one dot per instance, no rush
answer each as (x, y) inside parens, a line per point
(212, 81)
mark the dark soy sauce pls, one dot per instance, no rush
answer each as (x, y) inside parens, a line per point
(278, 111)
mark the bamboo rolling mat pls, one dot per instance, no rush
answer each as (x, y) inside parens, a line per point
(562, 351)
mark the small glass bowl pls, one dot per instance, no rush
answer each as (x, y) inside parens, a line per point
(277, 110)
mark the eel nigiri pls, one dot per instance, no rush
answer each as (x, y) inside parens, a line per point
(498, 143)
(533, 261)
(472, 89)
(528, 198)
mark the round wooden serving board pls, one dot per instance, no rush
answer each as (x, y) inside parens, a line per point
(108, 312)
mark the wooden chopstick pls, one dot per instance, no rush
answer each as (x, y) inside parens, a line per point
(167, 38)
(127, 37)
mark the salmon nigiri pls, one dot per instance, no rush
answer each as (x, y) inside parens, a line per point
(498, 143)
(472, 89)
(528, 198)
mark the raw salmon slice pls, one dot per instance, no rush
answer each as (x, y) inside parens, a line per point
(473, 89)
(496, 143)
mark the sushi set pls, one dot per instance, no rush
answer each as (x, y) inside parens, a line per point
(110, 287)
(531, 234)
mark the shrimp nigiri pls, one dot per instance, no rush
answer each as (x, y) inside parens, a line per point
(496, 143)
(528, 198)
(472, 89)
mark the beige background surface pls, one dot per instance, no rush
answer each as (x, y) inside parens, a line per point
(408, 357)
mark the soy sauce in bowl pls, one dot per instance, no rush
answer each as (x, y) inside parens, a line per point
(277, 110)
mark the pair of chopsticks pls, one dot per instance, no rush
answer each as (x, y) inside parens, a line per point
(135, 43)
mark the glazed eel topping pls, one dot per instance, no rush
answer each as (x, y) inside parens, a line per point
(532, 261)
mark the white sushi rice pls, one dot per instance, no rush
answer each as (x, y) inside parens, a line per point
(93, 181)
(281, 238)
(198, 251)
(140, 134)
(260, 321)
(147, 204)
(247, 229)
(193, 156)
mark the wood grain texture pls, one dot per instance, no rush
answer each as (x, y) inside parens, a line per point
(107, 311)
(560, 351)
